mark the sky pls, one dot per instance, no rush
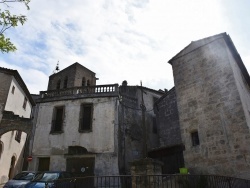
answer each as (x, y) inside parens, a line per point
(119, 39)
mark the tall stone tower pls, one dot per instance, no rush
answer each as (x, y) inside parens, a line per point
(213, 97)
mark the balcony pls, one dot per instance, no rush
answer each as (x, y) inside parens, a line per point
(79, 92)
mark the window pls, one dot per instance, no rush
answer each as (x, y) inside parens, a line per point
(18, 136)
(65, 82)
(83, 81)
(25, 103)
(57, 122)
(85, 122)
(13, 90)
(195, 138)
(88, 83)
(58, 84)
(1, 148)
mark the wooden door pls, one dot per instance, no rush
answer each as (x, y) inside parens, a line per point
(44, 164)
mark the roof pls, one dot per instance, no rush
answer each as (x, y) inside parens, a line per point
(20, 82)
(153, 90)
(73, 65)
(165, 94)
(194, 45)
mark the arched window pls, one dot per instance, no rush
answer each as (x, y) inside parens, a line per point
(88, 83)
(58, 84)
(65, 82)
(83, 81)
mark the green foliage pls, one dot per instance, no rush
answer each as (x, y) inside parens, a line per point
(8, 20)
(6, 45)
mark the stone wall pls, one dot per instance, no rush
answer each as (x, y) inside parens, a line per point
(209, 102)
(5, 82)
(74, 73)
(131, 137)
(168, 120)
(11, 122)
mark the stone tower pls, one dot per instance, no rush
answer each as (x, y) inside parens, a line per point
(213, 97)
(75, 75)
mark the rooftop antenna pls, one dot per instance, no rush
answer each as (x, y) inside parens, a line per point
(57, 69)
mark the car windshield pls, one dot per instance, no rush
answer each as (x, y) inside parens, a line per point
(46, 176)
(24, 176)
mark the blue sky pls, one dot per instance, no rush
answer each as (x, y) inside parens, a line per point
(119, 39)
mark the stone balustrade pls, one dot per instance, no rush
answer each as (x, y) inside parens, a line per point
(89, 91)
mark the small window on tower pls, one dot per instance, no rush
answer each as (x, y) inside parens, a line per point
(83, 81)
(65, 82)
(58, 84)
(195, 138)
(88, 83)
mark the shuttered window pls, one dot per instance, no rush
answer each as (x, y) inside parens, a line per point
(85, 122)
(57, 122)
(18, 136)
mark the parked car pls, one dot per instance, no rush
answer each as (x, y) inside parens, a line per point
(48, 178)
(20, 179)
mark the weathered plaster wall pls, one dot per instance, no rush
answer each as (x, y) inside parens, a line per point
(168, 120)
(106, 164)
(209, 101)
(100, 140)
(15, 101)
(11, 148)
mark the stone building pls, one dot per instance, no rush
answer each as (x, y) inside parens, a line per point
(212, 93)
(83, 127)
(202, 123)
(132, 120)
(170, 148)
(15, 110)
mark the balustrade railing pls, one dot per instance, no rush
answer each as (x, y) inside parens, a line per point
(99, 89)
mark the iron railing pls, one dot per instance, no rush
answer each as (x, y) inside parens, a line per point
(154, 181)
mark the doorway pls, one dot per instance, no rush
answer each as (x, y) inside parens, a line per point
(43, 164)
(81, 166)
(172, 158)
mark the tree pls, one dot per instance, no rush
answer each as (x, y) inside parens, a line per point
(8, 20)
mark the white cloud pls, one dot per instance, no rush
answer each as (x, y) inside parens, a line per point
(117, 39)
